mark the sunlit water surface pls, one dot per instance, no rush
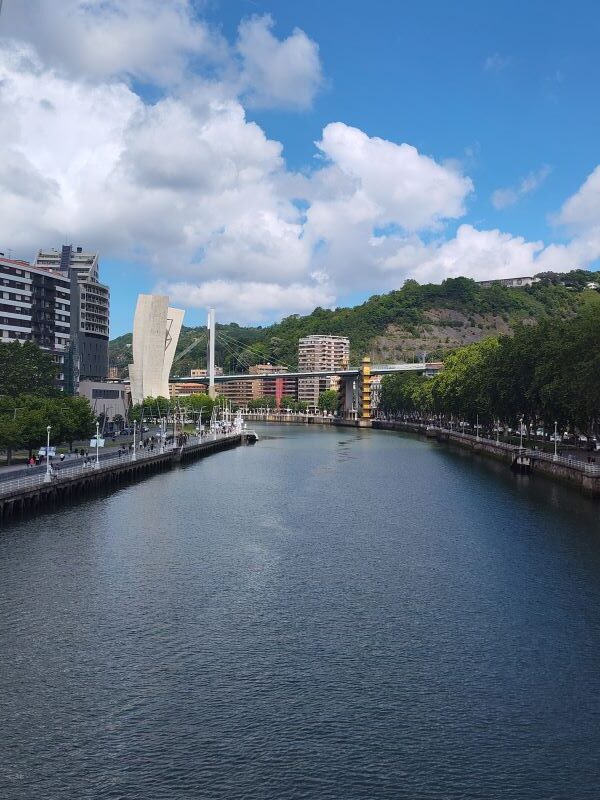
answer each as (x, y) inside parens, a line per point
(329, 614)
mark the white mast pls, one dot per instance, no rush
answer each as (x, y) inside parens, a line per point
(211, 353)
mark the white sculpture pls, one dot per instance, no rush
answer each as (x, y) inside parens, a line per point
(156, 329)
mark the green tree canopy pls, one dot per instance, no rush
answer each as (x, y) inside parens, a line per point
(329, 401)
(25, 368)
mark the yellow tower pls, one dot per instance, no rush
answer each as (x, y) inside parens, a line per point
(365, 388)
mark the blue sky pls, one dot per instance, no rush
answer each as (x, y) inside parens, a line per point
(319, 153)
(416, 72)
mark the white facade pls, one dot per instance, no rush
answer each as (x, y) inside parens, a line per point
(156, 329)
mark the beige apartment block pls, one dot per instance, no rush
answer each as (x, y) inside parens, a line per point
(318, 353)
(272, 387)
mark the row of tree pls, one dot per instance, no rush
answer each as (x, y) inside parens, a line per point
(544, 373)
(154, 408)
(30, 401)
(24, 420)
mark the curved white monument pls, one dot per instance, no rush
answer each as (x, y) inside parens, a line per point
(156, 329)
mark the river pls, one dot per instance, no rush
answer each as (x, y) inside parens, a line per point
(331, 614)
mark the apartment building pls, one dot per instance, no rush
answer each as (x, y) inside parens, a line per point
(318, 353)
(90, 312)
(35, 305)
(273, 387)
(239, 392)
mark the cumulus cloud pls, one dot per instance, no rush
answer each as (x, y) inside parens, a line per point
(405, 186)
(149, 40)
(188, 186)
(582, 210)
(502, 198)
(249, 301)
(166, 44)
(277, 73)
(480, 255)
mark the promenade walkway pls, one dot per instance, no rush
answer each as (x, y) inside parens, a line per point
(30, 478)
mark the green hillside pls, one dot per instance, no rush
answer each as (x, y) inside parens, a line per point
(398, 326)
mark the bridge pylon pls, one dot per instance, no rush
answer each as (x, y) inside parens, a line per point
(364, 415)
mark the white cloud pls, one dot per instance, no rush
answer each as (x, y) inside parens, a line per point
(582, 210)
(150, 40)
(277, 73)
(480, 255)
(502, 198)
(249, 301)
(496, 62)
(165, 44)
(406, 187)
(188, 186)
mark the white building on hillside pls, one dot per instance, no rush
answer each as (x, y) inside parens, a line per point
(156, 329)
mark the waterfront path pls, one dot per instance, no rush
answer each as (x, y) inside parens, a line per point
(563, 468)
(29, 490)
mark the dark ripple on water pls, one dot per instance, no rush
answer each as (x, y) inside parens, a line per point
(330, 616)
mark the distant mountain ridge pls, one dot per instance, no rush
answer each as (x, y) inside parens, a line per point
(398, 326)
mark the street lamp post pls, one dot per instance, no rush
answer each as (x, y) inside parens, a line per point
(497, 431)
(134, 454)
(555, 440)
(477, 435)
(520, 433)
(97, 464)
(47, 476)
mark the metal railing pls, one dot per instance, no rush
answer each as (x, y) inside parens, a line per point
(64, 472)
(540, 455)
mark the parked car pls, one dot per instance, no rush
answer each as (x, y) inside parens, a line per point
(126, 432)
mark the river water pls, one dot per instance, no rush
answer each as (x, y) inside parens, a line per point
(330, 614)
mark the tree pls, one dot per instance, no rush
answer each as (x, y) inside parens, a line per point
(11, 435)
(26, 369)
(77, 419)
(195, 402)
(261, 402)
(329, 401)
(118, 421)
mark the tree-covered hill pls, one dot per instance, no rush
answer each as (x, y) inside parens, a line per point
(398, 326)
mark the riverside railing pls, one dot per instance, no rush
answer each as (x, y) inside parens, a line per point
(65, 471)
(540, 455)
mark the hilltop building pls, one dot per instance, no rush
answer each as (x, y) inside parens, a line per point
(156, 329)
(511, 283)
(320, 353)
